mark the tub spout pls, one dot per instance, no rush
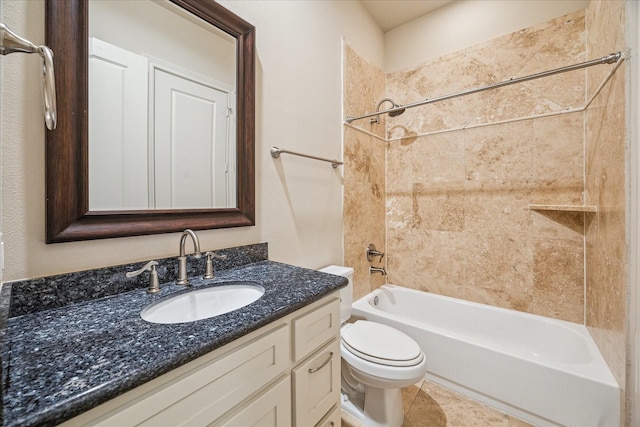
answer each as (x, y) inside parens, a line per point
(374, 270)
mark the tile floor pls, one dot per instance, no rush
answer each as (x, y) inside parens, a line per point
(428, 404)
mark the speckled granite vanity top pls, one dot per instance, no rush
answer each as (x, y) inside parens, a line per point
(59, 362)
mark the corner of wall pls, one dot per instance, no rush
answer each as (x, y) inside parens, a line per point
(633, 138)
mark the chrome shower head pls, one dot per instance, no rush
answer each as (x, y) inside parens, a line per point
(394, 113)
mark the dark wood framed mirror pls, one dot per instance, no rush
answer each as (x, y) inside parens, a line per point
(67, 194)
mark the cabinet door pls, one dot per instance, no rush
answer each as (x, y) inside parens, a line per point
(271, 409)
(332, 419)
(228, 382)
(204, 394)
(315, 329)
(316, 385)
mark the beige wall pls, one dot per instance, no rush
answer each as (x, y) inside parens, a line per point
(605, 187)
(466, 23)
(299, 201)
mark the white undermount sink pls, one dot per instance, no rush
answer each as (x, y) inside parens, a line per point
(203, 303)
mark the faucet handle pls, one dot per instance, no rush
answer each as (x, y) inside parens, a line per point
(372, 252)
(208, 268)
(154, 285)
(212, 254)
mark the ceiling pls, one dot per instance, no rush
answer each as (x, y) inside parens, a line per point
(392, 13)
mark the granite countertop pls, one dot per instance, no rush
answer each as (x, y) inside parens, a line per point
(60, 362)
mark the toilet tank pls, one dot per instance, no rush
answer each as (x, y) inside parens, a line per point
(346, 293)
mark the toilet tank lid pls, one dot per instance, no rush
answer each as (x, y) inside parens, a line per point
(338, 270)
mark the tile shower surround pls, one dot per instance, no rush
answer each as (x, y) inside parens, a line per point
(364, 177)
(63, 358)
(461, 173)
(605, 145)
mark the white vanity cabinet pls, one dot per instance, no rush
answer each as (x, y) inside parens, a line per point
(284, 374)
(316, 376)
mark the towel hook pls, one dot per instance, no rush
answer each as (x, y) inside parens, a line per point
(10, 42)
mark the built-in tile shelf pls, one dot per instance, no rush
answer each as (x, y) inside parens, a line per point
(564, 208)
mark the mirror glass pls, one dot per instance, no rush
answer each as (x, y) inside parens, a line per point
(160, 135)
(162, 123)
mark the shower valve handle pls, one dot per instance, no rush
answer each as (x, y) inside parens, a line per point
(372, 252)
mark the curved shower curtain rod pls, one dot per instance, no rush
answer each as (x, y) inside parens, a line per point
(609, 59)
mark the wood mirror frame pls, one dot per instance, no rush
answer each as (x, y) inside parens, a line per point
(67, 188)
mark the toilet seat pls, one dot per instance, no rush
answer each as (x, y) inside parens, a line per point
(381, 344)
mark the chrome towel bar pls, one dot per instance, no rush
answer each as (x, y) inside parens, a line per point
(10, 42)
(275, 153)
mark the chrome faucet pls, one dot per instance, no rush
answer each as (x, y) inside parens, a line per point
(182, 259)
(374, 270)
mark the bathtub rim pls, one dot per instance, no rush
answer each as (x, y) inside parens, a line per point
(595, 370)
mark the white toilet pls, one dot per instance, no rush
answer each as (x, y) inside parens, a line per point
(377, 360)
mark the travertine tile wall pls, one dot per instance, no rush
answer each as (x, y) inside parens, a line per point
(605, 145)
(461, 174)
(364, 171)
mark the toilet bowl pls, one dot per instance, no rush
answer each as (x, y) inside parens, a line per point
(377, 361)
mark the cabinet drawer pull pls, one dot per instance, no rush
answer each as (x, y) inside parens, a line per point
(313, 370)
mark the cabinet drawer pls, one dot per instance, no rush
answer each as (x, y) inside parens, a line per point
(211, 389)
(332, 419)
(271, 409)
(316, 385)
(316, 328)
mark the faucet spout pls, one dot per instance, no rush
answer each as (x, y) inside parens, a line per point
(182, 258)
(196, 242)
(380, 270)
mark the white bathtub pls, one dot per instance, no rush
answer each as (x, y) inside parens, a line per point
(545, 371)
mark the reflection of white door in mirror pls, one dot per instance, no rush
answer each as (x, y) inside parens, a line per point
(152, 41)
(117, 128)
(187, 160)
(192, 123)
